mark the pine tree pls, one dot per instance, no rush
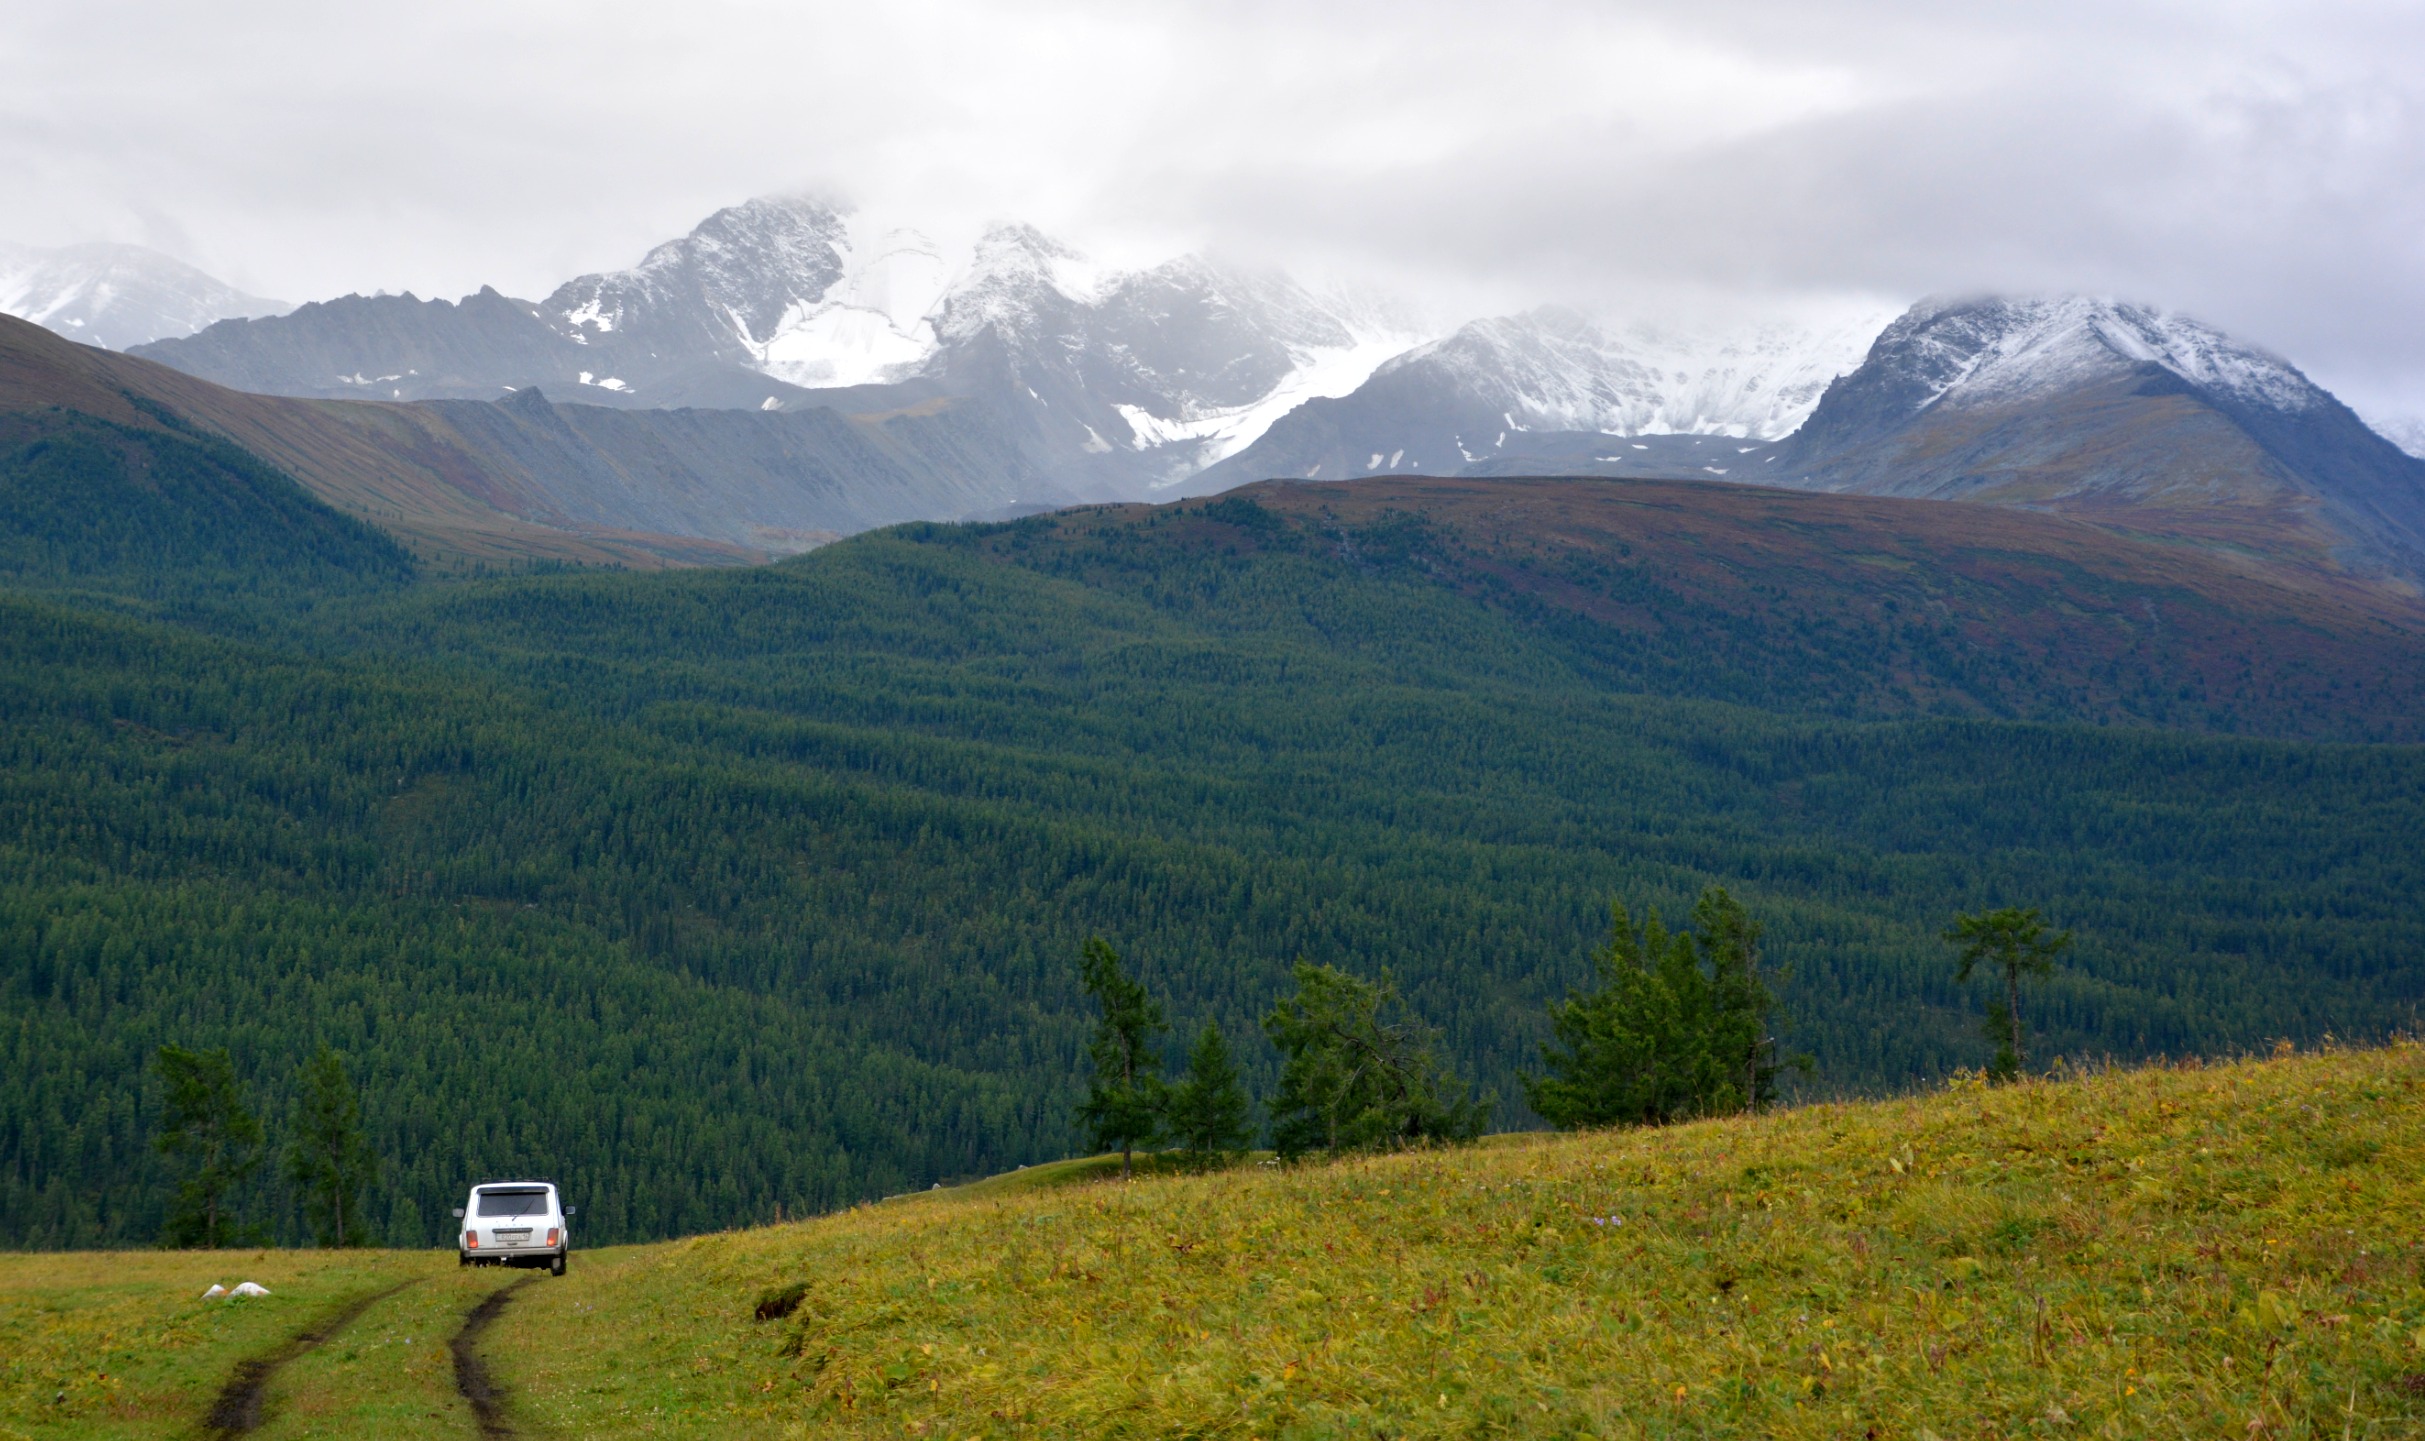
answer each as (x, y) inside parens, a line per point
(1353, 1080)
(1679, 1025)
(330, 1159)
(1742, 1040)
(1209, 1114)
(204, 1122)
(2014, 941)
(1125, 1101)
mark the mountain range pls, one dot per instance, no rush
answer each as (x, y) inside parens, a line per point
(2113, 412)
(1110, 383)
(1018, 375)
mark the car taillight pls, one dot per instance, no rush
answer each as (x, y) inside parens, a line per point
(552, 1233)
(471, 1240)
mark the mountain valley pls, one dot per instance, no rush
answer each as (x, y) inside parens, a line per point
(782, 747)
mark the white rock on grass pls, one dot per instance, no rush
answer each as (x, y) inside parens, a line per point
(215, 1290)
(248, 1288)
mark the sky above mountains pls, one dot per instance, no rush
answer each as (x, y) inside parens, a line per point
(2260, 165)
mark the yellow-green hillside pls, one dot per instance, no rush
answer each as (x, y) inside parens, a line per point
(2199, 1251)
(2179, 1251)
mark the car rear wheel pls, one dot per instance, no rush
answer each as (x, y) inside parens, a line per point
(556, 1267)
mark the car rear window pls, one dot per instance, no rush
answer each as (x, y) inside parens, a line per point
(512, 1203)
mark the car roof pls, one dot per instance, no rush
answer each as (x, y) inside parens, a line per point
(487, 1186)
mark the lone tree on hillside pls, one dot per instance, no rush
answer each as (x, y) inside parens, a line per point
(1123, 1105)
(1351, 1078)
(330, 1160)
(1678, 1026)
(1209, 1114)
(2016, 942)
(205, 1123)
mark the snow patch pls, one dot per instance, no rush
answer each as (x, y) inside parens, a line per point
(1218, 432)
(877, 323)
(592, 315)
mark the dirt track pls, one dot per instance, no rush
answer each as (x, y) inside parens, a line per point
(237, 1408)
(471, 1373)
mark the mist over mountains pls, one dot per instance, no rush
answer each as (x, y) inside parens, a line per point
(117, 295)
(1059, 380)
(1113, 383)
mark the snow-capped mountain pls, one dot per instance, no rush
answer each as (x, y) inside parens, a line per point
(1998, 352)
(117, 295)
(2097, 406)
(718, 294)
(1553, 386)
(1146, 377)
(1192, 376)
(1115, 382)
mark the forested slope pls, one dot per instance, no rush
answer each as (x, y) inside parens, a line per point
(163, 512)
(707, 892)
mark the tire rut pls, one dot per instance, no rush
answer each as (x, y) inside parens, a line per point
(471, 1373)
(237, 1408)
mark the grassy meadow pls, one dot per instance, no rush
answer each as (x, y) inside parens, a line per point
(2227, 1249)
(121, 1344)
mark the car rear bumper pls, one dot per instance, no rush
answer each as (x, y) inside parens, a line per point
(512, 1255)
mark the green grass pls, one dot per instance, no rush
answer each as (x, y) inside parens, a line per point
(121, 1344)
(2192, 1251)
(1056, 1175)
(389, 1374)
(2175, 1251)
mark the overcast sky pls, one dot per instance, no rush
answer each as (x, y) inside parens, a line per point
(2259, 165)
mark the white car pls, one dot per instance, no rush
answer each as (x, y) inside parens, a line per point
(514, 1223)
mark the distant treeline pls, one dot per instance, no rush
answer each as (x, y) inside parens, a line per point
(709, 893)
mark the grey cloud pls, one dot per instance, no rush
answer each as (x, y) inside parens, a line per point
(2259, 164)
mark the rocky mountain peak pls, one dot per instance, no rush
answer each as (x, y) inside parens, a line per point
(743, 267)
(1019, 282)
(1993, 350)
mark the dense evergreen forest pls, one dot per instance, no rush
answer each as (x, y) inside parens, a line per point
(709, 892)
